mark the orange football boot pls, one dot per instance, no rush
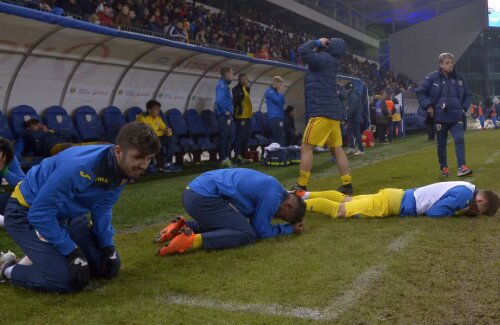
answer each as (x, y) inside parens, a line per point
(171, 230)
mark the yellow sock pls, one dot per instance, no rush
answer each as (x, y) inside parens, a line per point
(329, 195)
(345, 179)
(198, 242)
(303, 178)
(323, 206)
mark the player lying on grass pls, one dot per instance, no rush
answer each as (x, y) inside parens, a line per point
(46, 215)
(232, 207)
(434, 200)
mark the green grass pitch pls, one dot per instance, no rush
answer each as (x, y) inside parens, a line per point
(396, 270)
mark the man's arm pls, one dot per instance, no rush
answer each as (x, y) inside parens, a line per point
(59, 188)
(456, 199)
(309, 56)
(220, 93)
(264, 213)
(423, 93)
(101, 218)
(13, 172)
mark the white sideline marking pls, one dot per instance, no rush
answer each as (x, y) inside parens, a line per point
(359, 286)
(267, 309)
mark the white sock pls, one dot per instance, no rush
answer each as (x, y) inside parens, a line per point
(8, 271)
(1, 220)
(25, 261)
(306, 195)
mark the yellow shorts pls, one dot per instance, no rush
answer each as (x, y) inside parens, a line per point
(321, 130)
(385, 203)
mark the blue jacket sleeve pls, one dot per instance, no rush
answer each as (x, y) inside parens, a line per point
(423, 92)
(310, 57)
(274, 98)
(101, 218)
(13, 173)
(59, 188)
(264, 213)
(456, 199)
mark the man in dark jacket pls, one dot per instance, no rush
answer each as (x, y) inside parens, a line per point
(354, 110)
(323, 107)
(444, 95)
(242, 114)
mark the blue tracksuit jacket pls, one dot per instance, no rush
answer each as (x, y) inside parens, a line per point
(223, 98)
(256, 195)
(275, 102)
(13, 173)
(74, 182)
(437, 200)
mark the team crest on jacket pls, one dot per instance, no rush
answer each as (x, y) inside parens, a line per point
(438, 127)
(460, 83)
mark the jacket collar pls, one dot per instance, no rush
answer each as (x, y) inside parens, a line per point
(109, 172)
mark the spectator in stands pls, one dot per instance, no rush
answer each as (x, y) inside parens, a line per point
(397, 131)
(178, 33)
(87, 7)
(153, 119)
(275, 101)
(200, 38)
(224, 112)
(123, 18)
(133, 20)
(448, 109)
(71, 7)
(40, 141)
(243, 109)
(323, 107)
(354, 112)
(106, 15)
(291, 136)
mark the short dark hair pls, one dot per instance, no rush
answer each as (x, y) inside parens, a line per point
(224, 70)
(7, 149)
(30, 122)
(289, 108)
(240, 76)
(138, 136)
(152, 103)
(300, 209)
(492, 202)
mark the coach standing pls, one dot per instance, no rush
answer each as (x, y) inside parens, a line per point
(323, 107)
(445, 97)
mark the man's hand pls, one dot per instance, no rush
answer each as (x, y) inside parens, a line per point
(78, 269)
(298, 227)
(110, 262)
(167, 131)
(324, 41)
(430, 111)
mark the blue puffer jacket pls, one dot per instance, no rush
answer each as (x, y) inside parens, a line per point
(320, 80)
(437, 89)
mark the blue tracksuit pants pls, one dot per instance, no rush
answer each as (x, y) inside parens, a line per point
(50, 269)
(219, 222)
(457, 132)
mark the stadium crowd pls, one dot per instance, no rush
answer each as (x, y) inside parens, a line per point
(252, 32)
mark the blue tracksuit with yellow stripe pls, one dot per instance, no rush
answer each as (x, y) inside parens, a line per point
(45, 215)
(233, 207)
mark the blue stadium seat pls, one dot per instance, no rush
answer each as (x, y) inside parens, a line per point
(198, 131)
(89, 125)
(210, 122)
(132, 112)
(57, 119)
(113, 120)
(5, 131)
(257, 137)
(176, 121)
(19, 115)
(261, 119)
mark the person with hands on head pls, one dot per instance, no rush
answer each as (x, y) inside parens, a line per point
(47, 213)
(324, 109)
(231, 208)
(446, 97)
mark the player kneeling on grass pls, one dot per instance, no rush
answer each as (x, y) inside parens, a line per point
(46, 213)
(231, 208)
(435, 200)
